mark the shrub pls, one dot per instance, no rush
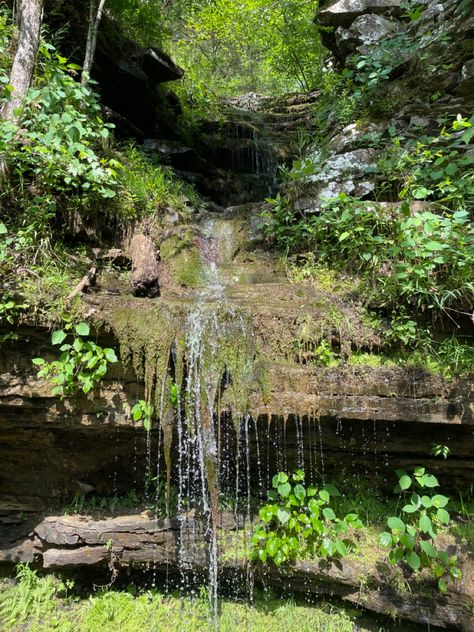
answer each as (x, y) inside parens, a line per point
(300, 521)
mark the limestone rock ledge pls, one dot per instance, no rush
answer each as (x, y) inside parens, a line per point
(78, 541)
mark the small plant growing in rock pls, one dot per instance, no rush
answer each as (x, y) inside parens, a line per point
(143, 411)
(411, 536)
(81, 365)
(299, 521)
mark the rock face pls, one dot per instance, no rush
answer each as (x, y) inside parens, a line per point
(60, 542)
(430, 61)
(128, 75)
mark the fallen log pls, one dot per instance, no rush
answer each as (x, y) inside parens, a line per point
(84, 284)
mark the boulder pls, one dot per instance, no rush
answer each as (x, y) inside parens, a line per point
(365, 31)
(345, 173)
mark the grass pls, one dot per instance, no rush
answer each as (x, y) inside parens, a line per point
(43, 604)
(50, 604)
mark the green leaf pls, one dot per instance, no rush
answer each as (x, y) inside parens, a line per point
(341, 548)
(396, 524)
(38, 361)
(426, 501)
(344, 236)
(331, 489)
(283, 515)
(413, 560)
(299, 492)
(421, 193)
(404, 482)
(443, 516)
(408, 541)
(58, 337)
(82, 329)
(430, 480)
(324, 495)
(77, 344)
(284, 489)
(329, 514)
(442, 584)
(428, 548)
(439, 500)
(425, 525)
(281, 477)
(385, 538)
(110, 355)
(409, 509)
(3, 229)
(147, 424)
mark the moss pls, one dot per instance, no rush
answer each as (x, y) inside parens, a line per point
(183, 259)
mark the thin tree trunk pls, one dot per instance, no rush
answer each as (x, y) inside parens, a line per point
(94, 22)
(31, 13)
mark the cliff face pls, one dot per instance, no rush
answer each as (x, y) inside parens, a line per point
(342, 421)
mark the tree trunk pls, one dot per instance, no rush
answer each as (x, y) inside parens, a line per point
(95, 17)
(30, 16)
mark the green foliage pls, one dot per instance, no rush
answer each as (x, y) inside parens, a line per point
(143, 411)
(300, 521)
(147, 188)
(9, 312)
(133, 609)
(255, 45)
(424, 257)
(81, 365)
(32, 600)
(108, 504)
(411, 536)
(440, 450)
(57, 148)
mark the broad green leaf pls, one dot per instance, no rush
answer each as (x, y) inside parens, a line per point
(58, 337)
(82, 329)
(430, 480)
(425, 524)
(421, 193)
(110, 355)
(38, 361)
(284, 489)
(413, 560)
(443, 516)
(396, 524)
(324, 495)
(404, 482)
(428, 548)
(408, 541)
(329, 514)
(439, 500)
(385, 538)
(281, 477)
(341, 548)
(332, 489)
(300, 492)
(283, 515)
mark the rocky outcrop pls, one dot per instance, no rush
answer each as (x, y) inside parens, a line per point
(67, 542)
(427, 54)
(128, 75)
